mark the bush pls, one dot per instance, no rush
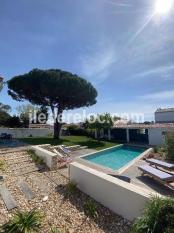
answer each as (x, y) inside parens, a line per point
(170, 146)
(71, 188)
(23, 222)
(90, 208)
(158, 217)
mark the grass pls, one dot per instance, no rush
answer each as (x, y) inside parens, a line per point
(2, 165)
(69, 141)
(24, 222)
(34, 157)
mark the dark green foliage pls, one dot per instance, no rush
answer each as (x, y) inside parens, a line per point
(90, 208)
(155, 149)
(53, 88)
(54, 230)
(34, 157)
(77, 131)
(103, 121)
(4, 118)
(14, 122)
(170, 146)
(23, 222)
(5, 107)
(158, 217)
(71, 188)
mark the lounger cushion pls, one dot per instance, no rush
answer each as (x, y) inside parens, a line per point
(160, 163)
(156, 173)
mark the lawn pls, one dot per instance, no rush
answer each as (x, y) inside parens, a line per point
(69, 141)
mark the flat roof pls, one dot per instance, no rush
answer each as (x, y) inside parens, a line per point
(144, 126)
(164, 110)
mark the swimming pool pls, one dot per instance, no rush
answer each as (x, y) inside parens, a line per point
(115, 158)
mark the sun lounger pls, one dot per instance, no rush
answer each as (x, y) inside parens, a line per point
(63, 160)
(161, 176)
(159, 163)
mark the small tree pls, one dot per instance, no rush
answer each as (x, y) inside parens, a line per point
(170, 146)
(57, 89)
(103, 121)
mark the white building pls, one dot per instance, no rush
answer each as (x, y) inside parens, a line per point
(164, 115)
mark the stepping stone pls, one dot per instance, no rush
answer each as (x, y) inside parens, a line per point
(7, 198)
(26, 190)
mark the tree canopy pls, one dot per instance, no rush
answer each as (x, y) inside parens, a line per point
(60, 90)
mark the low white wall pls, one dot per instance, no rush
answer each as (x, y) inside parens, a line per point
(49, 158)
(26, 132)
(122, 198)
(156, 135)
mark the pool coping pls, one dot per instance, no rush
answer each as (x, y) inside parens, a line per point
(110, 170)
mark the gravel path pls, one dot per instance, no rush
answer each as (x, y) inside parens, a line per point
(59, 211)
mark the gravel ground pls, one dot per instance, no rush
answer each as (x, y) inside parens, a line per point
(62, 212)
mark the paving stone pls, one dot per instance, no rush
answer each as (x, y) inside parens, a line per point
(7, 198)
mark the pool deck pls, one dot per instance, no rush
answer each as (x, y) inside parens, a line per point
(131, 172)
(145, 181)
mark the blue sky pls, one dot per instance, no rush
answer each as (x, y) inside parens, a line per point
(121, 46)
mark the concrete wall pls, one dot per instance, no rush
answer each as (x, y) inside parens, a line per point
(49, 158)
(123, 198)
(26, 132)
(156, 135)
(161, 117)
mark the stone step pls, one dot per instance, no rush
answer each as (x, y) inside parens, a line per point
(23, 167)
(8, 151)
(30, 170)
(19, 161)
(7, 198)
(26, 190)
(17, 157)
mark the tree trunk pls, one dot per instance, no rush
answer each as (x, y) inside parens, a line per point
(57, 128)
(58, 123)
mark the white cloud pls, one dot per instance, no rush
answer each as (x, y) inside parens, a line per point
(159, 96)
(95, 64)
(156, 71)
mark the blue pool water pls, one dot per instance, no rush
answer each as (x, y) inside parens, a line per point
(116, 157)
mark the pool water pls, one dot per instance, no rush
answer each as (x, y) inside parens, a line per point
(116, 157)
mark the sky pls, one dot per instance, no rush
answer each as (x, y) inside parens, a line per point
(124, 48)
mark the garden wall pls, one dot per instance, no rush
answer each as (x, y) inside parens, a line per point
(122, 198)
(49, 158)
(26, 132)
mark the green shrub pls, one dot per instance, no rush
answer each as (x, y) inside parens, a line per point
(90, 208)
(71, 188)
(54, 230)
(158, 217)
(2, 165)
(34, 157)
(170, 146)
(156, 149)
(23, 222)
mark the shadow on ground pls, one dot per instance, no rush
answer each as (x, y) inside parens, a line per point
(106, 220)
(156, 186)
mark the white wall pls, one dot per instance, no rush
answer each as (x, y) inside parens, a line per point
(49, 158)
(164, 117)
(122, 198)
(156, 136)
(26, 132)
